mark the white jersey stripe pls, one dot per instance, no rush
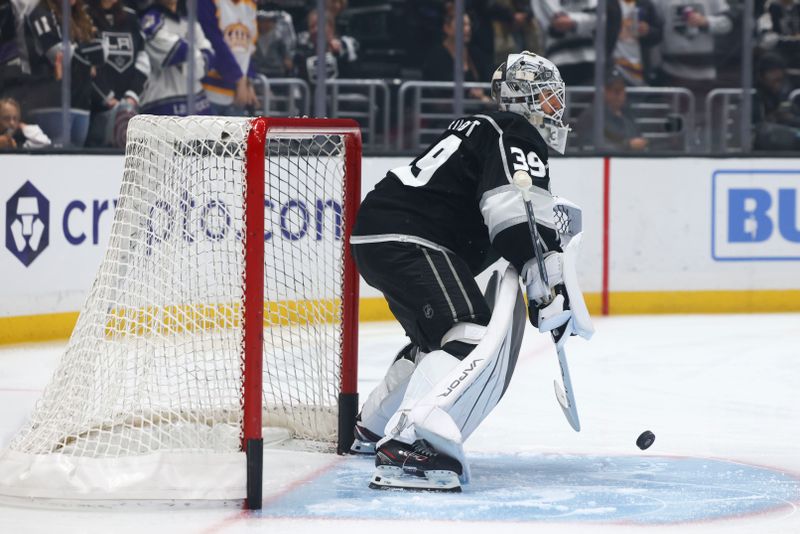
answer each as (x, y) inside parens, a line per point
(502, 207)
(399, 238)
(500, 143)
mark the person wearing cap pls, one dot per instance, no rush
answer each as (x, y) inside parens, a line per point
(620, 131)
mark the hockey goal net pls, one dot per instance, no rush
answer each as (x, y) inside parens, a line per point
(226, 301)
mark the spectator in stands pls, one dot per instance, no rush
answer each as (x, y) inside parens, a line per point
(276, 45)
(14, 133)
(776, 119)
(515, 29)
(424, 33)
(166, 32)
(641, 30)
(335, 7)
(620, 132)
(11, 70)
(139, 6)
(231, 27)
(570, 29)
(120, 79)
(297, 9)
(42, 93)
(340, 58)
(482, 14)
(728, 46)
(779, 31)
(440, 64)
(687, 51)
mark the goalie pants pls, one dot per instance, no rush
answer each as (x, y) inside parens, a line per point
(427, 290)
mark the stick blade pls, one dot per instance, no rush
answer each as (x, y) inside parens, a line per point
(569, 409)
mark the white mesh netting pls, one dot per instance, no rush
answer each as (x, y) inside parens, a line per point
(154, 365)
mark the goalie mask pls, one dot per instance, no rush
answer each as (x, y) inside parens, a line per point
(531, 85)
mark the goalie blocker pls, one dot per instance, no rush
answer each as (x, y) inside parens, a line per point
(554, 302)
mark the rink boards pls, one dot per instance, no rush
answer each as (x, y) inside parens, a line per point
(661, 235)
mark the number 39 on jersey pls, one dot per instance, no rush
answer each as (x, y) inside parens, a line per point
(513, 154)
(530, 162)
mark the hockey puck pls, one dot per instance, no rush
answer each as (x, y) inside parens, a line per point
(645, 439)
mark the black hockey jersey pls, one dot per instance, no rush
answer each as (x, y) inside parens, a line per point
(11, 70)
(8, 33)
(459, 193)
(43, 43)
(126, 65)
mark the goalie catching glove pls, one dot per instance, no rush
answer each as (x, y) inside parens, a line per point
(554, 303)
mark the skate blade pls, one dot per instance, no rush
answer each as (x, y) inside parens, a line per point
(387, 477)
(363, 447)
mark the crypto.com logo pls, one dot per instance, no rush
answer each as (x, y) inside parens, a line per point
(27, 223)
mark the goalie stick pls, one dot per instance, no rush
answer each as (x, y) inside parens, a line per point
(564, 394)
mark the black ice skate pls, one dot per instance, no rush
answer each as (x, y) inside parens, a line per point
(418, 466)
(365, 440)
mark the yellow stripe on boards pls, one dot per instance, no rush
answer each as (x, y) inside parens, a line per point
(374, 309)
(28, 328)
(594, 302)
(762, 301)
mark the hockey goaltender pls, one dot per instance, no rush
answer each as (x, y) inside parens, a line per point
(421, 237)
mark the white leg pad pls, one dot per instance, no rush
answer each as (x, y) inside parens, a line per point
(385, 399)
(447, 399)
(428, 373)
(465, 332)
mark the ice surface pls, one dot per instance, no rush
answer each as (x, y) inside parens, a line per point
(718, 391)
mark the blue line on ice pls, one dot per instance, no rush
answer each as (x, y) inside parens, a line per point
(539, 487)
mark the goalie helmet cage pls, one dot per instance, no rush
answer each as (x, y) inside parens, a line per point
(227, 301)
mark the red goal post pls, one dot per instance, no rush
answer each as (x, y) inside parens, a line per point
(261, 130)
